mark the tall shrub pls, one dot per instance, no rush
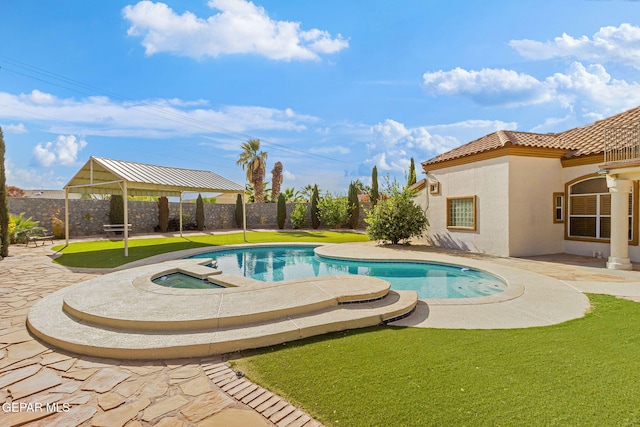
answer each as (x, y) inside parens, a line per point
(298, 215)
(282, 211)
(163, 214)
(116, 209)
(333, 210)
(199, 213)
(4, 203)
(396, 219)
(354, 206)
(315, 215)
(238, 211)
(374, 187)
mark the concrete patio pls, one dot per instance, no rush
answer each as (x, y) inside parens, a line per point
(205, 391)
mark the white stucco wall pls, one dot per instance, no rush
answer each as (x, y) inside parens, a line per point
(533, 181)
(514, 207)
(488, 180)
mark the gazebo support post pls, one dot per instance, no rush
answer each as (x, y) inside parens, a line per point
(180, 210)
(126, 218)
(66, 215)
(244, 217)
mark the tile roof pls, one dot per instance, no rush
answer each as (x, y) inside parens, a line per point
(579, 141)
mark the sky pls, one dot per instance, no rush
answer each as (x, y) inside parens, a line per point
(330, 88)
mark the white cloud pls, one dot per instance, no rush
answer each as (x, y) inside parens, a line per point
(29, 179)
(156, 118)
(394, 144)
(239, 27)
(63, 151)
(288, 175)
(488, 125)
(609, 44)
(591, 90)
(19, 128)
(583, 89)
(488, 86)
(554, 124)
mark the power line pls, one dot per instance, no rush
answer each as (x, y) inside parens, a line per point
(73, 85)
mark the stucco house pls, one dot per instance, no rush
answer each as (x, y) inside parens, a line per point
(521, 193)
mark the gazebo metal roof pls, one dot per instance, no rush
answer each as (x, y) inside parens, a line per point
(108, 176)
(105, 176)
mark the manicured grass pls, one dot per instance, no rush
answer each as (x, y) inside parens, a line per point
(110, 253)
(581, 373)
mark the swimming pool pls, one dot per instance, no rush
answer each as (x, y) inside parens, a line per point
(277, 263)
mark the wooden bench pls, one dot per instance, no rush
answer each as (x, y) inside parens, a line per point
(37, 234)
(115, 228)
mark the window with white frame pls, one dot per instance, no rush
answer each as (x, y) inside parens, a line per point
(590, 209)
(461, 213)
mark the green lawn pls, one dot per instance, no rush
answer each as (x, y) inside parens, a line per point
(585, 372)
(110, 253)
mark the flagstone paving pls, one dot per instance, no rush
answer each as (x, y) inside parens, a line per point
(83, 391)
(42, 386)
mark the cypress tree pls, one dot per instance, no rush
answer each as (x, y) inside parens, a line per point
(200, 213)
(116, 209)
(238, 211)
(282, 211)
(412, 174)
(4, 204)
(163, 214)
(354, 206)
(315, 198)
(374, 187)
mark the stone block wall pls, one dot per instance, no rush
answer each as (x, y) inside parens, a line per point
(86, 217)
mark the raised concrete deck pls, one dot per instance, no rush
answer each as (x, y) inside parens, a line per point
(125, 315)
(531, 299)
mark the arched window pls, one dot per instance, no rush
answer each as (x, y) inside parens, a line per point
(590, 209)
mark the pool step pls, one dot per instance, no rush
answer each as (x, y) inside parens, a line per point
(148, 306)
(49, 322)
(125, 315)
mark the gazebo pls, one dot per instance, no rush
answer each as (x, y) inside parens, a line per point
(107, 176)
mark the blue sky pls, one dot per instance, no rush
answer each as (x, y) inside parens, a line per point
(330, 87)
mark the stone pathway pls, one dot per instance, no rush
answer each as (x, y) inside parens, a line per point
(40, 386)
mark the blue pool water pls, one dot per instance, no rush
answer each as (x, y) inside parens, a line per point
(273, 264)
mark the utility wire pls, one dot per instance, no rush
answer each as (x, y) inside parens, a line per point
(145, 107)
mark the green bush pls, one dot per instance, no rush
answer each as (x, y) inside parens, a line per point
(199, 213)
(18, 225)
(282, 211)
(315, 215)
(163, 214)
(333, 210)
(354, 206)
(116, 209)
(298, 215)
(238, 211)
(396, 219)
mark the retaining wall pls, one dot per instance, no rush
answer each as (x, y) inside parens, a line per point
(86, 217)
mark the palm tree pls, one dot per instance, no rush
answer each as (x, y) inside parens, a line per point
(254, 162)
(276, 181)
(307, 192)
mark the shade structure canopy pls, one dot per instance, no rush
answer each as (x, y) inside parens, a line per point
(108, 176)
